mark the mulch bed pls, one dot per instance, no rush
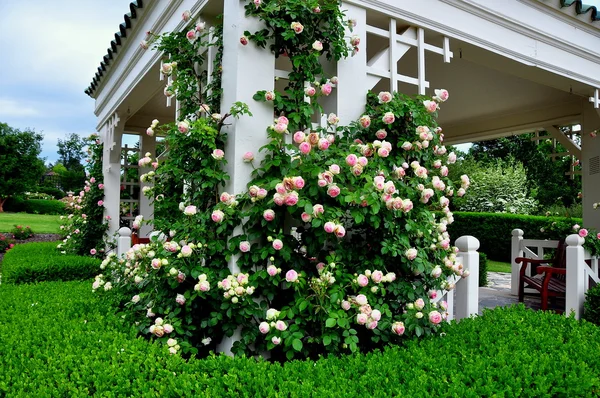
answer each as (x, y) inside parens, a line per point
(35, 238)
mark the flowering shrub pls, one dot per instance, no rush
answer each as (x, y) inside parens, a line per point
(84, 228)
(334, 246)
(5, 244)
(20, 232)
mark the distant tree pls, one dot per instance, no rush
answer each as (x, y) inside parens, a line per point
(20, 165)
(71, 152)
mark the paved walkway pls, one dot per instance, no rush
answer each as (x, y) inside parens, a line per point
(497, 294)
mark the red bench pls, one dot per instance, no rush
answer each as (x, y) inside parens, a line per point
(547, 276)
(135, 239)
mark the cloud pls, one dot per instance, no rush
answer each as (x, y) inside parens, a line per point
(11, 108)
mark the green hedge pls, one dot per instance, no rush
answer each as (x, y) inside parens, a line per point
(36, 262)
(494, 230)
(483, 281)
(58, 339)
(34, 206)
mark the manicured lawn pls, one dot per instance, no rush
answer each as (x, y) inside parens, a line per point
(498, 266)
(39, 223)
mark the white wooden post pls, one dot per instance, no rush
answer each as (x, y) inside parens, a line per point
(111, 168)
(467, 289)
(123, 242)
(575, 294)
(147, 144)
(246, 70)
(515, 251)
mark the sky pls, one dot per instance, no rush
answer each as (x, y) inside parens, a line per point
(51, 50)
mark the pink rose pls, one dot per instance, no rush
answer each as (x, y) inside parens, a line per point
(419, 304)
(398, 328)
(299, 137)
(363, 161)
(291, 276)
(272, 270)
(269, 96)
(317, 210)
(377, 276)
(362, 280)
(435, 317)
(340, 231)
(345, 305)
(280, 325)
(384, 97)
(317, 46)
(361, 299)
(383, 152)
(248, 157)
(218, 154)
(191, 36)
(441, 95)
(583, 232)
(93, 251)
(430, 106)
(361, 319)
(372, 325)
(329, 227)
(291, 199)
(407, 146)
(297, 27)
(326, 89)
(100, 186)
(275, 340)
(306, 217)
(323, 144)
(190, 210)
(100, 203)
(376, 315)
(333, 191)
(217, 216)
(305, 148)
(310, 91)
(411, 253)
(277, 244)
(280, 128)
(264, 327)
(180, 299)
(381, 134)
(298, 182)
(245, 246)
(388, 118)
(269, 215)
(351, 159)
(186, 15)
(334, 169)
(244, 40)
(365, 121)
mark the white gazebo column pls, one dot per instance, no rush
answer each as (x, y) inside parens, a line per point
(246, 70)
(147, 144)
(590, 159)
(111, 167)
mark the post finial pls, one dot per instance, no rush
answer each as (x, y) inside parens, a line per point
(574, 240)
(517, 232)
(124, 231)
(467, 243)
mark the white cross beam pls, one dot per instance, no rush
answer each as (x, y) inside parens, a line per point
(596, 99)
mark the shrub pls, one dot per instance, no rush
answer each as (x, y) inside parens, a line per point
(41, 261)
(482, 269)
(20, 232)
(591, 306)
(60, 340)
(56, 193)
(15, 204)
(5, 243)
(41, 206)
(494, 230)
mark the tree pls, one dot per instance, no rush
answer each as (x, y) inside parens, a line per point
(20, 165)
(71, 152)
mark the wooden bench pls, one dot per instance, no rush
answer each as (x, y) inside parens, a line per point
(547, 276)
(135, 239)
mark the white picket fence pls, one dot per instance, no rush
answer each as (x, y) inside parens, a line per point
(582, 268)
(465, 295)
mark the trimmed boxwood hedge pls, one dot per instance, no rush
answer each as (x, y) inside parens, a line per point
(58, 339)
(494, 230)
(41, 261)
(34, 206)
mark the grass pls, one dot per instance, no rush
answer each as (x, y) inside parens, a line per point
(39, 223)
(498, 266)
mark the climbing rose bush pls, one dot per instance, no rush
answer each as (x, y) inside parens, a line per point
(334, 247)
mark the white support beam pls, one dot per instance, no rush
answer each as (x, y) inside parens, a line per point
(421, 60)
(596, 99)
(565, 141)
(393, 56)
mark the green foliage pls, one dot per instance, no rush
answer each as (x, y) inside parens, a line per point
(42, 206)
(85, 228)
(483, 269)
(591, 306)
(56, 193)
(575, 210)
(20, 165)
(60, 340)
(497, 186)
(72, 180)
(70, 151)
(36, 262)
(494, 230)
(5, 243)
(20, 232)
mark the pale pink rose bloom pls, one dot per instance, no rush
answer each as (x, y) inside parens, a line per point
(441, 95)
(299, 137)
(297, 27)
(264, 327)
(598, 235)
(576, 227)
(361, 319)
(444, 171)
(365, 121)
(225, 197)
(430, 106)
(283, 120)
(372, 325)
(272, 270)
(317, 45)
(388, 118)
(432, 294)
(419, 304)
(291, 276)
(291, 199)
(100, 186)
(376, 315)
(310, 91)
(323, 144)
(340, 231)
(362, 280)
(298, 182)
(280, 325)
(451, 158)
(435, 317)
(269, 96)
(144, 44)
(245, 246)
(355, 40)
(377, 276)
(277, 244)
(351, 159)
(322, 183)
(86, 189)
(381, 134)
(218, 154)
(333, 191)
(583, 232)
(361, 299)
(180, 299)
(331, 138)
(275, 340)
(317, 210)
(305, 148)
(461, 192)
(436, 272)
(269, 215)
(407, 146)
(334, 169)
(383, 152)
(280, 128)
(279, 199)
(326, 89)
(384, 97)
(306, 217)
(333, 119)
(329, 227)
(186, 15)
(248, 157)
(411, 253)
(280, 188)
(186, 251)
(363, 161)
(190, 210)
(398, 328)
(217, 216)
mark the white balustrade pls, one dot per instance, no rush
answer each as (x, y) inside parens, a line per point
(528, 248)
(467, 289)
(123, 241)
